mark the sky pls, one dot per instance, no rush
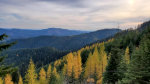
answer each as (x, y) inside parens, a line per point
(73, 14)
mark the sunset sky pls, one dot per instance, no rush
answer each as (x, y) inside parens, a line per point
(73, 14)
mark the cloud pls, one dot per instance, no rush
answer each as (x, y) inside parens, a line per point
(73, 14)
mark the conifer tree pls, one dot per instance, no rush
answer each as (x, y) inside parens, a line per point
(111, 73)
(79, 62)
(127, 56)
(64, 70)
(96, 62)
(20, 80)
(8, 79)
(77, 65)
(123, 65)
(103, 63)
(1, 81)
(31, 75)
(49, 72)
(3, 46)
(139, 68)
(55, 73)
(69, 64)
(89, 68)
(42, 76)
(55, 77)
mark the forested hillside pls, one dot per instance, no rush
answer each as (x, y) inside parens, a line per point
(28, 33)
(123, 59)
(66, 42)
(40, 56)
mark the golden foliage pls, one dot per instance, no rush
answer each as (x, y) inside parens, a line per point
(55, 73)
(31, 75)
(69, 64)
(42, 74)
(49, 72)
(20, 80)
(89, 68)
(127, 56)
(1, 80)
(8, 79)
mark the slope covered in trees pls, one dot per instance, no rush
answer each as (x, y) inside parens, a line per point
(66, 42)
(40, 56)
(123, 59)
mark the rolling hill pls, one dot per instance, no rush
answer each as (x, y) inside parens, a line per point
(27, 33)
(65, 42)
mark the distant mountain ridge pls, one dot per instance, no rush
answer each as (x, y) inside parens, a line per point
(27, 33)
(64, 42)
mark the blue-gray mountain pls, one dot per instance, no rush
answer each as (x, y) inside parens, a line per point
(27, 33)
(64, 42)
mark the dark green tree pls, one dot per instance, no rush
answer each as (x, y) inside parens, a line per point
(3, 46)
(139, 68)
(111, 74)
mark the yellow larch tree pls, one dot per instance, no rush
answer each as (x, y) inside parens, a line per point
(55, 74)
(64, 70)
(1, 81)
(57, 62)
(127, 56)
(77, 65)
(8, 79)
(31, 75)
(42, 76)
(79, 62)
(96, 61)
(69, 60)
(49, 72)
(20, 80)
(103, 63)
(89, 68)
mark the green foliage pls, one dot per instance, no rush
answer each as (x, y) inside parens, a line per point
(111, 74)
(3, 68)
(65, 42)
(40, 56)
(139, 68)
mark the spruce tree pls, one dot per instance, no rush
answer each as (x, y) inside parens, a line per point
(123, 65)
(139, 67)
(3, 46)
(111, 73)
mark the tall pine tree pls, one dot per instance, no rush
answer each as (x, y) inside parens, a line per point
(3, 46)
